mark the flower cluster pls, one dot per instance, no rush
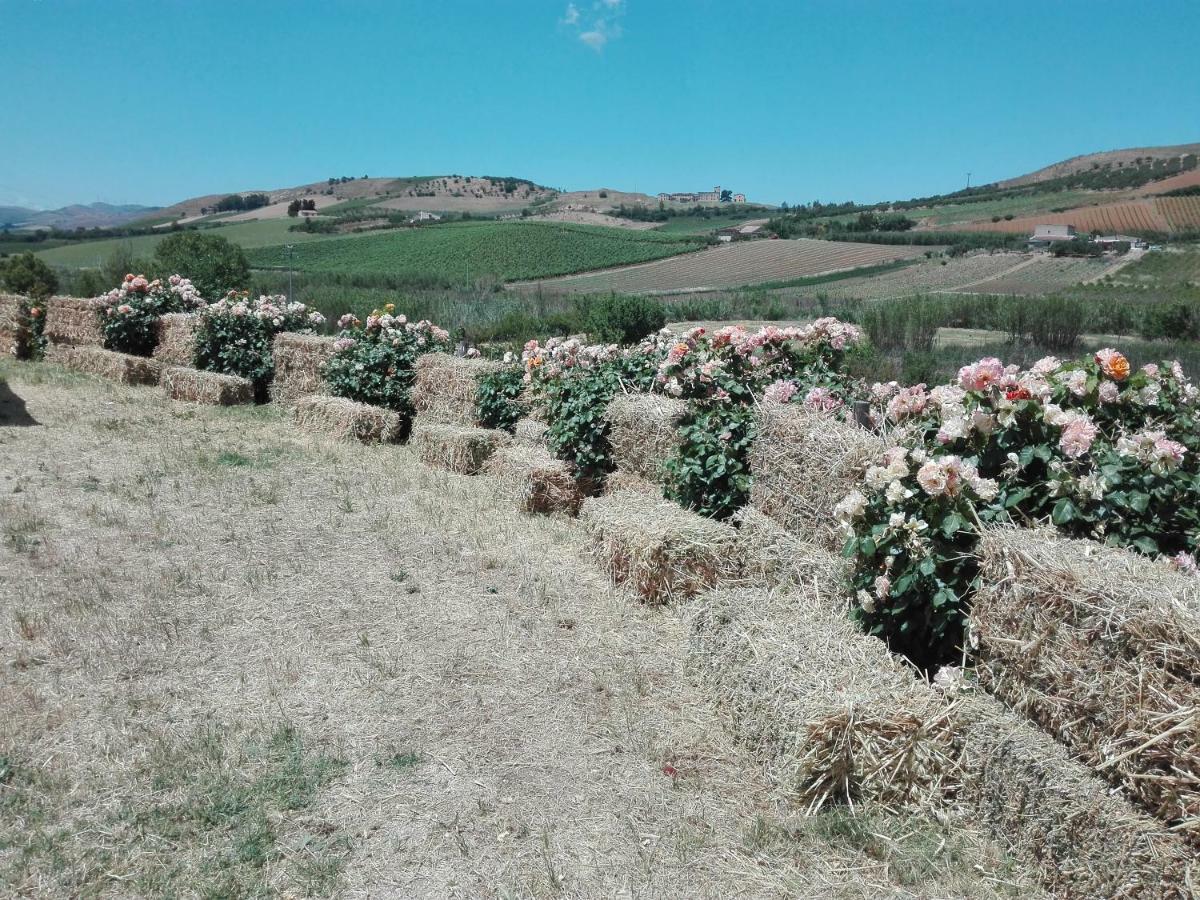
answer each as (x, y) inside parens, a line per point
(373, 360)
(234, 335)
(1091, 445)
(558, 356)
(130, 315)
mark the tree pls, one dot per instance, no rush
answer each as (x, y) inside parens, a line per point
(294, 208)
(27, 274)
(214, 265)
(726, 196)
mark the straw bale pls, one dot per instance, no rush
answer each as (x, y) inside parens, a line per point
(620, 480)
(15, 330)
(535, 480)
(108, 364)
(1049, 809)
(661, 550)
(1102, 649)
(445, 387)
(830, 714)
(802, 463)
(196, 386)
(530, 432)
(775, 556)
(643, 432)
(299, 364)
(453, 447)
(176, 339)
(74, 321)
(347, 420)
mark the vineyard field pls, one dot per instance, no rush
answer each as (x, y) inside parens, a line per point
(1140, 215)
(924, 277)
(467, 251)
(1044, 275)
(1180, 212)
(733, 265)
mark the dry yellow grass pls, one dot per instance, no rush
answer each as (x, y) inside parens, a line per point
(415, 691)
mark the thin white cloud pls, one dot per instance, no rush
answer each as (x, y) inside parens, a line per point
(599, 26)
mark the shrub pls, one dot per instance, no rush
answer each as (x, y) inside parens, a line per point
(1099, 451)
(29, 275)
(620, 318)
(130, 320)
(373, 360)
(214, 265)
(234, 335)
(496, 399)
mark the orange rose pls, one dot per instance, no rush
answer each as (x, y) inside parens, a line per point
(1113, 364)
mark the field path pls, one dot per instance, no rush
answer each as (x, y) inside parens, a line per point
(504, 715)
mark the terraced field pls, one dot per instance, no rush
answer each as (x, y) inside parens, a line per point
(1044, 275)
(731, 266)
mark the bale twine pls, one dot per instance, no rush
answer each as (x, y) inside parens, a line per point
(802, 463)
(196, 386)
(176, 339)
(662, 551)
(347, 420)
(644, 432)
(1054, 813)
(15, 329)
(775, 556)
(445, 387)
(1102, 649)
(120, 367)
(530, 432)
(74, 321)
(832, 716)
(299, 365)
(535, 480)
(455, 448)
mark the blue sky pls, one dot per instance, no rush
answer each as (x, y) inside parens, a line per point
(156, 100)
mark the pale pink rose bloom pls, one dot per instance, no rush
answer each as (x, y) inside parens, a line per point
(780, 391)
(1077, 437)
(932, 478)
(981, 375)
(1109, 392)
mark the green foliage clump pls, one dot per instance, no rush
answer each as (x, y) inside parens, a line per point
(29, 275)
(373, 360)
(621, 318)
(711, 471)
(496, 399)
(215, 265)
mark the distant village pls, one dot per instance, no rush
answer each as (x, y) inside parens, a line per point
(716, 195)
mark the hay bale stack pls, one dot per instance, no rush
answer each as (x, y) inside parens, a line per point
(662, 551)
(621, 480)
(74, 322)
(15, 328)
(176, 339)
(775, 556)
(347, 420)
(1102, 649)
(535, 480)
(832, 716)
(299, 365)
(1084, 842)
(453, 447)
(530, 432)
(120, 367)
(802, 463)
(196, 386)
(644, 432)
(445, 387)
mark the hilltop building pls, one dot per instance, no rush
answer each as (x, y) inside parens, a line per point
(713, 196)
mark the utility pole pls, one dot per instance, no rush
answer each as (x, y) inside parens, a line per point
(968, 181)
(290, 248)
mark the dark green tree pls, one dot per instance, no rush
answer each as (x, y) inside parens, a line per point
(27, 274)
(214, 265)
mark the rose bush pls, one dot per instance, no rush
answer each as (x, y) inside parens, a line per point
(234, 335)
(129, 319)
(1094, 448)
(373, 360)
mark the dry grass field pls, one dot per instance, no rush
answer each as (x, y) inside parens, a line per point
(732, 265)
(239, 660)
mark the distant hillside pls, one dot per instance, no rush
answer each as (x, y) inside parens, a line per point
(1107, 159)
(91, 215)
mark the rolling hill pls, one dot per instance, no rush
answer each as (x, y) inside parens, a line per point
(1105, 159)
(90, 215)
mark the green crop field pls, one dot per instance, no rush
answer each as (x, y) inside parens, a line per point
(259, 233)
(467, 250)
